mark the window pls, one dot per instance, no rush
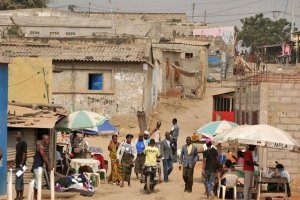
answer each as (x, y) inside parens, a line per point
(34, 32)
(70, 33)
(224, 104)
(54, 33)
(188, 55)
(95, 81)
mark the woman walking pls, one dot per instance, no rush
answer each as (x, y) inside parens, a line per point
(126, 155)
(115, 175)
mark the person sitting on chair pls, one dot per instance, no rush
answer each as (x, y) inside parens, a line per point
(279, 172)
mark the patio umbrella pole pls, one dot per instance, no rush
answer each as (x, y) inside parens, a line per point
(52, 184)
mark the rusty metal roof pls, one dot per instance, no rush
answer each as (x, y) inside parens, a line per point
(115, 53)
(25, 117)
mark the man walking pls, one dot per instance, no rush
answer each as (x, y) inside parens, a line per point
(20, 160)
(140, 145)
(188, 159)
(174, 135)
(167, 156)
(249, 171)
(39, 159)
(209, 168)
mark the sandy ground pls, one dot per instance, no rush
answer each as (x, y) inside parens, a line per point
(191, 114)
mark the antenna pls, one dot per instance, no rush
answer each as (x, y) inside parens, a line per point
(205, 17)
(194, 5)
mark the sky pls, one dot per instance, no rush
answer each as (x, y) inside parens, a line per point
(218, 12)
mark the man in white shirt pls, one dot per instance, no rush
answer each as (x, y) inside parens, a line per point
(156, 134)
(280, 172)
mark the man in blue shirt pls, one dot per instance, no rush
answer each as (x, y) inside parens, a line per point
(140, 145)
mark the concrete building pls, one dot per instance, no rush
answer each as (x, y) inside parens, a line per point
(112, 77)
(272, 99)
(27, 74)
(49, 22)
(189, 55)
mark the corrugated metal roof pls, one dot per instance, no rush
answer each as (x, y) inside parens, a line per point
(118, 53)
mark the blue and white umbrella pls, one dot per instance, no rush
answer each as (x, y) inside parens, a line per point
(213, 128)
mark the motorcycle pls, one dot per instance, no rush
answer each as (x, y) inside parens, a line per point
(150, 178)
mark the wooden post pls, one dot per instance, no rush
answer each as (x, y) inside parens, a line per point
(39, 183)
(30, 190)
(52, 184)
(9, 188)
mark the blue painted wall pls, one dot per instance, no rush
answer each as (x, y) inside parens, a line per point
(3, 125)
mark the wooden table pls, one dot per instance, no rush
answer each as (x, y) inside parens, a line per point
(271, 193)
(78, 162)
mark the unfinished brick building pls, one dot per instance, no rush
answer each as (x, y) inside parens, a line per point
(273, 99)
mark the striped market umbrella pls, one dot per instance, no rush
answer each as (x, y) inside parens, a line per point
(80, 120)
(213, 128)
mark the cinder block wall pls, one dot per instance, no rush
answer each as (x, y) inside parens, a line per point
(284, 113)
(278, 105)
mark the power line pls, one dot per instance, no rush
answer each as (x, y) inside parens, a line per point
(287, 3)
(235, 7)
(237, 14)
(25, 80)
(218, 2)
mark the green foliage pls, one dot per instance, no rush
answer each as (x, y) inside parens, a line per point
(14, 31)
(260, 30)
(22, 4)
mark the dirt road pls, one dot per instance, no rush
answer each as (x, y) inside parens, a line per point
(191, 114)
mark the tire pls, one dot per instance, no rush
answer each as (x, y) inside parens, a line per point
(148, 184)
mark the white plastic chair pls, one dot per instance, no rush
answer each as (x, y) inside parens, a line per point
(230, 182)
(104, 171)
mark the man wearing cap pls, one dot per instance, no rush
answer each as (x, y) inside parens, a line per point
(140, 145)
(279, 172)
(146, 136)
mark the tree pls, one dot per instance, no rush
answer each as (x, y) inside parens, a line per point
(260, 30)
(22, 4)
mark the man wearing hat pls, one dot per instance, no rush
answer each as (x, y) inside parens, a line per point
(279, 172)
(146, 136)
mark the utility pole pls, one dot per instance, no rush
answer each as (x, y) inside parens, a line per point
(112, 17)
(89, 7)
(194, 5)
(293, 19)
(204, 17)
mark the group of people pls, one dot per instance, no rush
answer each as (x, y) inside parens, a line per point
(41, 157)
(148, 149)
